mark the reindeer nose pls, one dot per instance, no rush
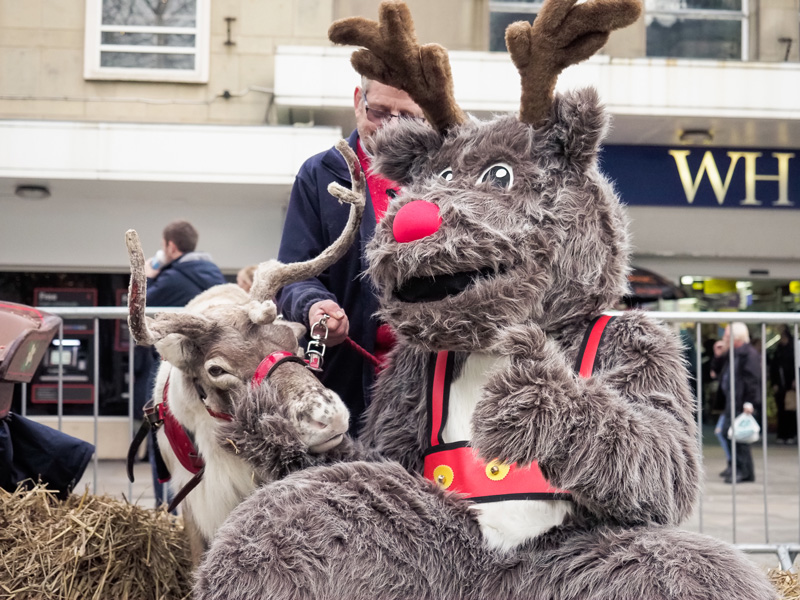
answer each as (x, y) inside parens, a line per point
(416, 220)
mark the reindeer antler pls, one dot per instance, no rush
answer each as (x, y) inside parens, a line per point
(392, 56)
(272, 275)
(146, 331)
(563, 34)
(137, 291)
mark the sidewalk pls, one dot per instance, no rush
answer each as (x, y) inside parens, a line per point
(715, 508)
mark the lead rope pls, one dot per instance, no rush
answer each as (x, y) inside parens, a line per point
(316, 346)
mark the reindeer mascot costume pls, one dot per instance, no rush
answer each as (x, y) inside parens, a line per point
(534, 448)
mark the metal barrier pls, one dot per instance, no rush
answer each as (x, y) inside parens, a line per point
(786, 551)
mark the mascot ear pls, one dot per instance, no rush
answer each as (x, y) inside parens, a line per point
(401, 150)
(578, 124)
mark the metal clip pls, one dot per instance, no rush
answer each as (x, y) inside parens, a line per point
(316, 345)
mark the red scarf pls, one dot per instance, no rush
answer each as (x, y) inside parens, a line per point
(379, 194)
(379, 187)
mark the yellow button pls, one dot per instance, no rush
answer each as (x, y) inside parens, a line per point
(443, 476)
(496, 470)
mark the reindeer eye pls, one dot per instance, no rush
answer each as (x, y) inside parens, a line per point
(447, 174)
(216, 371)
(499, 175)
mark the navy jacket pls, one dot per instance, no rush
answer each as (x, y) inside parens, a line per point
(182, 279)
(313, 221)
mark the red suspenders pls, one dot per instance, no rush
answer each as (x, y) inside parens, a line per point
(455, 467)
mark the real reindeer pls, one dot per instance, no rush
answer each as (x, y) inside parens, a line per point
(223, 349)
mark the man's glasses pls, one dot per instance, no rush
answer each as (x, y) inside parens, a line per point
(378, 116)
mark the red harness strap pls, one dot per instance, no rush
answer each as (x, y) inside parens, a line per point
(270, 363)
(456, 467)
(179, 440)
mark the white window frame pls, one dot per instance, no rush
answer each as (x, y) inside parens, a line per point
(93, 48)
(500, 6)
(710, 15)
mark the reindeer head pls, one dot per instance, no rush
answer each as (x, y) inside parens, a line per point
(224, 334)
(503, 221)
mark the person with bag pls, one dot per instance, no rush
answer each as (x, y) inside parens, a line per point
(784, 385)
(747, 387)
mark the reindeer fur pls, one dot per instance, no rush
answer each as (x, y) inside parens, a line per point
(215, 332)
(543, 257)
(211, 352)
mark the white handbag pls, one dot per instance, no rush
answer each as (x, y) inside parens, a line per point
(745, 429)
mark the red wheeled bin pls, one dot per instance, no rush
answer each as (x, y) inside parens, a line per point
(29, 451)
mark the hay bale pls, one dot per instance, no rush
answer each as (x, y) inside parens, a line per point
(786, 583)
(89, 547)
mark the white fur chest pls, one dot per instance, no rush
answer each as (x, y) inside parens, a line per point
(507, 523)
(227, 480)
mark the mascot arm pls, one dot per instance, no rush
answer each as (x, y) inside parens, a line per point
(395, 418)
(622, 441)
(262, 434)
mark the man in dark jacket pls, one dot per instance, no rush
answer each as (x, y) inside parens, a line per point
(747, 389)
(184, 274)
(313, 221)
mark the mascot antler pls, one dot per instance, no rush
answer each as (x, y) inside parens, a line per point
(392, 55)
(270, 276)
(563, 34)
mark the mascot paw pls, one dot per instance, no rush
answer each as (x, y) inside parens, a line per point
(259, 418)
(525, 411)
(522, 341)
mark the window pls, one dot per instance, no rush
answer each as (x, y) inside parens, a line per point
(503, 14)
(710, 29)
(147, 40)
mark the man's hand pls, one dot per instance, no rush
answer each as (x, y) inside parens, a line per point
(338, 323)
(149, 271)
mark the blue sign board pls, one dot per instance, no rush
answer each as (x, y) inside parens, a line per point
(703, 176)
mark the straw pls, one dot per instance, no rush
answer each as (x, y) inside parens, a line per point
(89, 547)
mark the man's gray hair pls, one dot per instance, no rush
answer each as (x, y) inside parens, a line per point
(740, 332)
(365, 84)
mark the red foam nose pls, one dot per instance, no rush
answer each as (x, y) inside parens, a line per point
(416, 220)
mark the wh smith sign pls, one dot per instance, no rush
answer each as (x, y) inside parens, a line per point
(704, 177)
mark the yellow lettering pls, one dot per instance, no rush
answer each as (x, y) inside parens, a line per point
(782, 178)
(751, 177)
(690, 185)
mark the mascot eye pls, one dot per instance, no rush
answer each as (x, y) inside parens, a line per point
(499, 175)
(216, 371)
(447, 174)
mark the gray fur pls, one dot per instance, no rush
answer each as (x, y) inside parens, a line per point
(367, 531)
(553, 252)
(264, 432)
(559, 219)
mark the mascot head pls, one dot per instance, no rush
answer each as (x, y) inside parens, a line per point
(500, 222)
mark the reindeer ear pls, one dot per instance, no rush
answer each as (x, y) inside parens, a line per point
(177, 350)
(401, 150)
(578, 124)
